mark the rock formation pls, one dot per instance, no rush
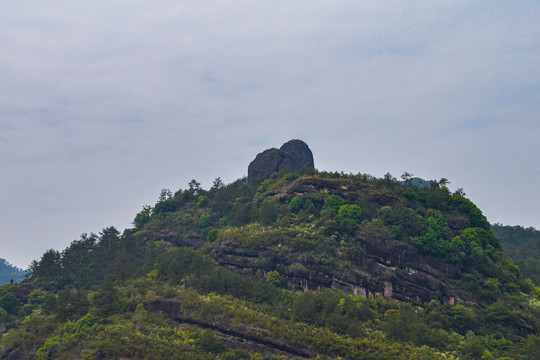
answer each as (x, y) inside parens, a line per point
(386, 266)
(293, 155)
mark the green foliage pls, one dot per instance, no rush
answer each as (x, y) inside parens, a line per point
(276, 279)
(28, 337)
(242, 213)
(466, 207)
(106, 301)
(224, 221)
(142, 218)
(290, 177)
(522, 245)
(10, 303)
(97, 298)
(205, 221)
(212, 235)
(271, 210)
(348, 226)
(434, 241)
(296, 204)
(207, 342)
(301, 203)
(186, 266)
(48, 269)
(333, 202)
(165, 206)
(202, 200)
(352, 212)
(264, 185)
(66, 305)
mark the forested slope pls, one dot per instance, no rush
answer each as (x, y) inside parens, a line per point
(523, 246)
(301, 265)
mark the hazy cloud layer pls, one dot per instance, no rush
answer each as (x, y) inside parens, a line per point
(103, 104)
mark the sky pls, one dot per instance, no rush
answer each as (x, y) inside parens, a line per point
(105, 103)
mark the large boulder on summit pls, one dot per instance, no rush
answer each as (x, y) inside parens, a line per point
(265, 163)
(293, 155)
(297, 156)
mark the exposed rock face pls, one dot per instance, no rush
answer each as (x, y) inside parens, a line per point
(388, 268)
(293, 155)
(173, 237)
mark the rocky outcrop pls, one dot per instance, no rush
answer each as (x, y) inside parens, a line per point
(194, 241)
(310, 185)
(293, 155)
(387, 268)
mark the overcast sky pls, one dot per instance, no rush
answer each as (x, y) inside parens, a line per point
(104, 103)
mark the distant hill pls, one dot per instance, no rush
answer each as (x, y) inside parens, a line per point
(523, 247)
(9, 272)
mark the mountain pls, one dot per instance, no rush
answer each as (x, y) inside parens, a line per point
(10, 273)
(293, 264)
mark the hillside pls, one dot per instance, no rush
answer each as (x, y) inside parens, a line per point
(522, 245)
(303, 264)
(10, 273)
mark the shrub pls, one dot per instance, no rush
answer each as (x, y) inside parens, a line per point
(10, 303)
(212, 235)
(352, 212)
(165, 206)
(333, 202)
(296, 204)
(202, 200)
(301, 203)
(205, 221)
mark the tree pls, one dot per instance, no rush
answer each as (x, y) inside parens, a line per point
(389, 179)
(301, 203)
(48, 267)
(333, 202)
(165, 206)
(108, 236)
(347, 211)
(270, 211)
(218, 184)
(165, 194)
(194, 187)
(443, 182)
(143, 217)
(106, 301)
(407, 177)
(10, 303)
(205, 221)
(202, 200)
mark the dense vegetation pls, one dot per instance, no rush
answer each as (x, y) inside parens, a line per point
(10, 273)
(523, 246)
(169, 288)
